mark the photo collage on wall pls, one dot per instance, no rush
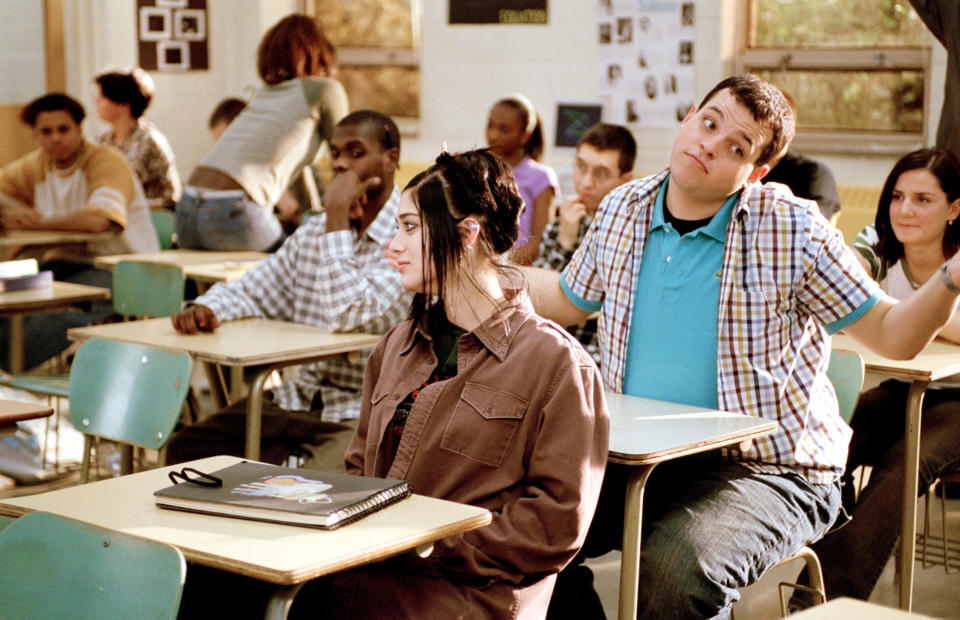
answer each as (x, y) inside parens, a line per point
(172, 34)
(646, 60)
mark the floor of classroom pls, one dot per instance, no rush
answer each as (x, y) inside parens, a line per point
(936, 593)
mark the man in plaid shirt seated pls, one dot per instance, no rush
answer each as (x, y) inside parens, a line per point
(604, 160)
(717, 291)
(331, 273)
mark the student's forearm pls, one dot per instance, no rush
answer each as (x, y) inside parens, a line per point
(548, 298)
(901, 330)
(78, 222)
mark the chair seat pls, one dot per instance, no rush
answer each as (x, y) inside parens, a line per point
(44, 385)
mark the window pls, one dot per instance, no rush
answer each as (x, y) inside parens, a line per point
(378, 46)
(855, 68)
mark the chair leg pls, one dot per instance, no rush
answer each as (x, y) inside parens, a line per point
(814, 573)
(85, 465)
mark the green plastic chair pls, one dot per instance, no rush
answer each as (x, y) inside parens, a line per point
(5, 521)
(163, 222)
(129, 393)
(147, 289)
(55, 567)
(140, 290)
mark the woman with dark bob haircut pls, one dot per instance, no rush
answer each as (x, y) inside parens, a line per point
(474, 399)
(916, 231)
(229, 200)
(121, 98)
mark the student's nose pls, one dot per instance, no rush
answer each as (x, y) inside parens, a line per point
(708, 146)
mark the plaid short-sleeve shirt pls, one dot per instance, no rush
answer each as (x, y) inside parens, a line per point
(786, 274)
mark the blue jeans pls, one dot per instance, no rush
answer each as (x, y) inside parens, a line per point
(854, 556)
(708, 528)
(225, 220)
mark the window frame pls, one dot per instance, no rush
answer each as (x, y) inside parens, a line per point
(363, 56)
(869, 58)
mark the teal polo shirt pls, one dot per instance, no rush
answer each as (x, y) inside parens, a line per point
(672, 348)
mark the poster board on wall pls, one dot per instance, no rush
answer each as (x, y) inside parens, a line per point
(497, 12)
(646, 60)
(172, 35)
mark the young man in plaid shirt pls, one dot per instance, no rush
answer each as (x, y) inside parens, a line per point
(331, 273)
(717, 291)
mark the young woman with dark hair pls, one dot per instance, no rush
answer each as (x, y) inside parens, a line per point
(478, 400)
(121, 99)
(915, 232)
(229, 200)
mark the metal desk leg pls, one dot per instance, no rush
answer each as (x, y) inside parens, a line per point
(218, 388)
(280, 601)
(16, 344)
(255, 412)
(630, 558)
(911, 469)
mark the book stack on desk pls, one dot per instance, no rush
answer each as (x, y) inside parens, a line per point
(17, 275)
(262, 492)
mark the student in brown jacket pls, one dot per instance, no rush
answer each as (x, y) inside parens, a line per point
(478, 400)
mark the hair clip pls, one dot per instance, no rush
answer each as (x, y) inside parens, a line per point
(199, 478)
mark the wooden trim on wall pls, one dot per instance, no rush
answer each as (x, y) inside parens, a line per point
(54, 47)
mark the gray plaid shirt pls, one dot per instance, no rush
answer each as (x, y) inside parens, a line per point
(331, 280)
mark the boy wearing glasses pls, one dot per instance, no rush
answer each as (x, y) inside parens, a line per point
(604, 160)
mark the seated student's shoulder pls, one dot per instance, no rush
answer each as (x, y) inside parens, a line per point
(550, 345)
(776, 202)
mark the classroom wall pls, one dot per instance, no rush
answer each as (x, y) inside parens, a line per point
(464, 69)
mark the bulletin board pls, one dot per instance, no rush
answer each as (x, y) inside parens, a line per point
(646, 60)
(172, 34)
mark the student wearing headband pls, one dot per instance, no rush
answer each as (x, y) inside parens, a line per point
(515, 133)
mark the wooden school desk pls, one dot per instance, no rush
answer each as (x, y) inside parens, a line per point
(645, 432)
(264, 343)
(939, 360)
(59, 296)
(12, 411)
(853, 609)
(10, 240)
(284, 555)
(181, 258)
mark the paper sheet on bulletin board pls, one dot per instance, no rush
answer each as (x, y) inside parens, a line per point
(646, 60)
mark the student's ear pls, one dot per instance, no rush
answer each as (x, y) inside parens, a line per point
(758, 173)
(469, 230)
(693, 110)
(954, 210)
(392, 159)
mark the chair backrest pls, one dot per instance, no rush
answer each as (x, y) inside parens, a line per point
(163, 222)
(128, 392)
(147, 289)
(55, 567)
(846, 373)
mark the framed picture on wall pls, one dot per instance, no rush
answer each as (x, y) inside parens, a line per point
(172, 34)
(573, 119)
(155, 24)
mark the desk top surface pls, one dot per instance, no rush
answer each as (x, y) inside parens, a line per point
(243, 342)
(225, 271)
(281, 554)
(15, 238)
(182, 258)
(16, 410)
(645, 431)
(939, 360)
(57, 295)
(853, 609)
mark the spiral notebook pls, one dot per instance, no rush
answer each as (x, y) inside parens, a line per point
(262, 492)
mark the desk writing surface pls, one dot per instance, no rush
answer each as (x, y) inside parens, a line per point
(853, 609)
(243, 342)
(281, 554)
(181, 258)
(58, 295)
(644, 431)
(225, 271)
(16, 410)
(16, 238)
(939, 360)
